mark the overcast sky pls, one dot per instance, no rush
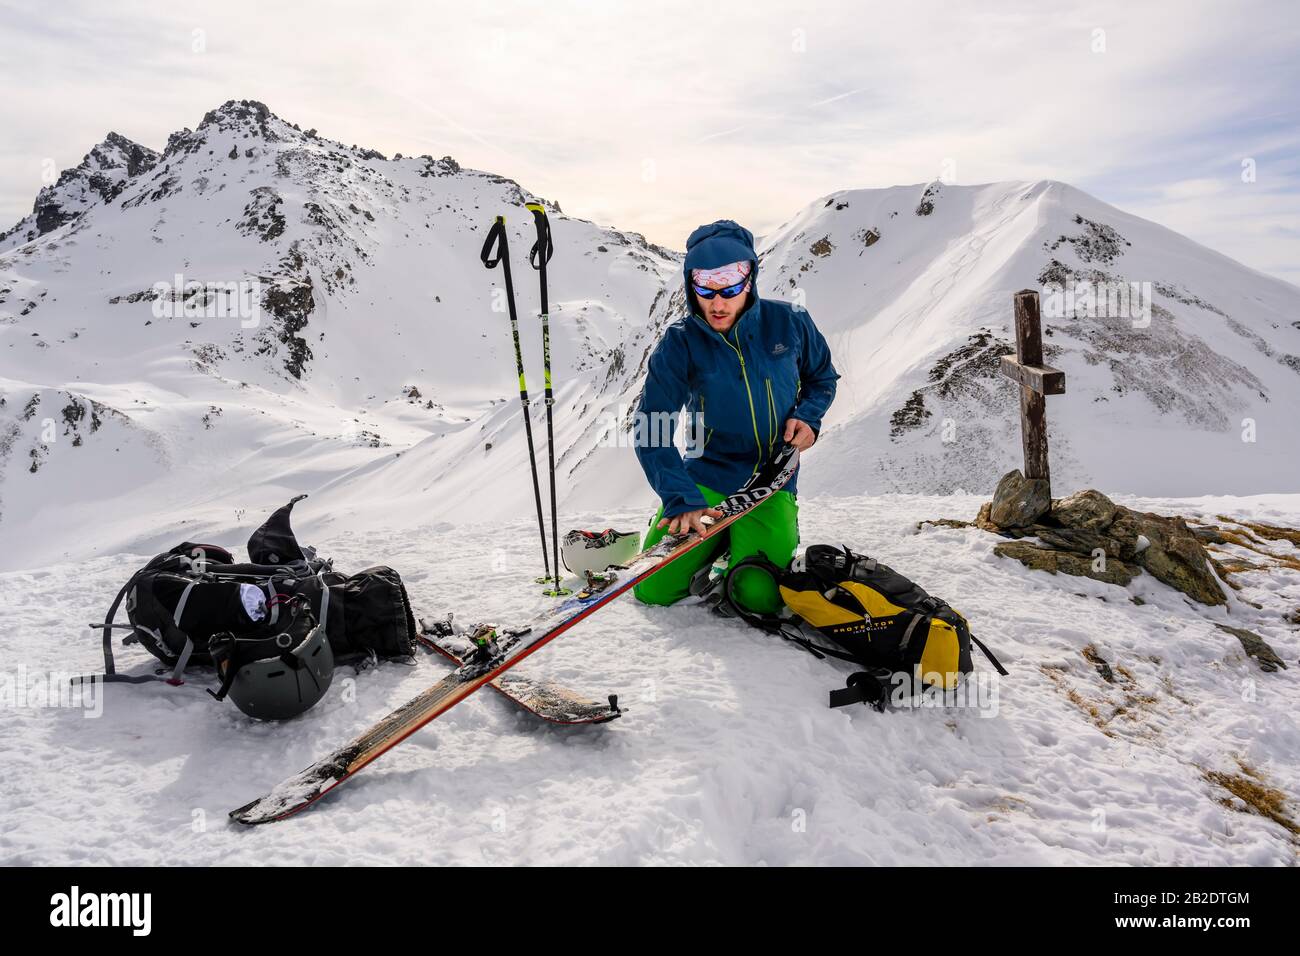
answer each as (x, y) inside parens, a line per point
(658, 116)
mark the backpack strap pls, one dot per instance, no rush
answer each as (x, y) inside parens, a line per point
(997, 665)
(773, 623)
(862, 687)
(110, 675)
(764, 622)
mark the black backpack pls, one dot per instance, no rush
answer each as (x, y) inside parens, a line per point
(183, 597)
(873, 616)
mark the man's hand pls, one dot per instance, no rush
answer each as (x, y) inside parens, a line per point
(689, 521)
(799, 434)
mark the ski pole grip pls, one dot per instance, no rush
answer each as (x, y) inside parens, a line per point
(496, 236)
(543, 245)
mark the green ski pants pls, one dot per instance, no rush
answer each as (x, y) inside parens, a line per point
(771, 528)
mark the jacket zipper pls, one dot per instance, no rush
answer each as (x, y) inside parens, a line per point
(771, 417)
(753, 415)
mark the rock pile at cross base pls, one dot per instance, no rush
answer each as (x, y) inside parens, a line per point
(1088, 535)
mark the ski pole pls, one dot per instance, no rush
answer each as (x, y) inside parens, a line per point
(538, 257)
(491, 256)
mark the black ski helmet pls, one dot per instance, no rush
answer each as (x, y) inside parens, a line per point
(277, 673)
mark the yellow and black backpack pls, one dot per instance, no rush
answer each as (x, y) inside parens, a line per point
(876, 618)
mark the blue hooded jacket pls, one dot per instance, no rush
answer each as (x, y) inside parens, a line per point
(772, 365)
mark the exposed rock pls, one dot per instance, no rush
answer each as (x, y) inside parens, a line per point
(290, 304)
(1020, 501)
(983, 521)
(1175, 556)
(1089, 510)
(1208, 534)
(911, 415)
(1097, 243)
(1101, 664)
(1036, 558)
(1073, 530)
(926, 205)
(1256, 647)
(1084, 541)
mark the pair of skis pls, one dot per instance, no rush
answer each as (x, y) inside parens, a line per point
(544, 699)
(496, 251)
(495, 651)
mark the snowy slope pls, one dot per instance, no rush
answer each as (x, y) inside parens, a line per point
(727, 754)
(913, 287)
(375, 334)
(376, 373)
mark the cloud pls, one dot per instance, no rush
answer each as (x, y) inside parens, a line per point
(656, 117)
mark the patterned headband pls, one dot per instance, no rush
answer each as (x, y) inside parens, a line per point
(722, 276)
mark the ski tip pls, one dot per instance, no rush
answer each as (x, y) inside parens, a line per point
(272, 808)
(246, 815)
(265, 809)
(253, 814)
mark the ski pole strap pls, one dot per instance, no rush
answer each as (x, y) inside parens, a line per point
(495, 237)
(543, 245)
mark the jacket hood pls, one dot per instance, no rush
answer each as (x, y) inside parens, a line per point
(718, 244)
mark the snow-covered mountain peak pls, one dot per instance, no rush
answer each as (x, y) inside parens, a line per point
(259, 286)
(266, 304)
(98, 178)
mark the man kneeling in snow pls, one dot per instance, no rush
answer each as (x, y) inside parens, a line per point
(752, 373)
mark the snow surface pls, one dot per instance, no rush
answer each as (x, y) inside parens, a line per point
(124, 431)
(727, 754)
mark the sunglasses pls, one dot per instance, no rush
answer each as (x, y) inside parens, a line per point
(730, 292)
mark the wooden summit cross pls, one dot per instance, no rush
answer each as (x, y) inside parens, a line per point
(1037, 381)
